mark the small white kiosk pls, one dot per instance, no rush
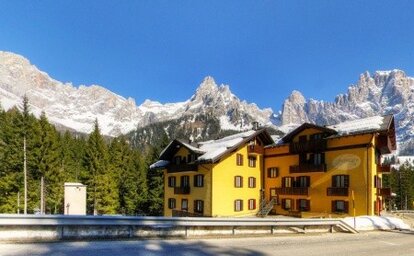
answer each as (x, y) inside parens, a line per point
(75, 199)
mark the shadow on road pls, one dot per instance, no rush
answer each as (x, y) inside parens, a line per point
(136, 247)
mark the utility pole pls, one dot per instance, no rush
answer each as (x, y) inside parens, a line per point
(25, 175)
(42, 199)
(18, 202)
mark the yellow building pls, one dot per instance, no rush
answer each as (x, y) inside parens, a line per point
(315, 170)
(312, 171)
(214, 178)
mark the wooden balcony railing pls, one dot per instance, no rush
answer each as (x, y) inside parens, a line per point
(293, 191)
(384, 168)
(181, 190)
(303, 168)
(307, 146)
(181, 168)
(255, 150)
(337, 191)
(178, 213)
(383, 143)
(383, 191)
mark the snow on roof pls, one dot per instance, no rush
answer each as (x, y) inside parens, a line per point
(159, 164)
(214, 148)
(365, 124)
(191, 147)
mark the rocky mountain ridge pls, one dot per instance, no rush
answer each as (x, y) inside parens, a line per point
(383, 92)
(78, 107)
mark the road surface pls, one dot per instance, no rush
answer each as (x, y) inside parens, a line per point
(370, 243)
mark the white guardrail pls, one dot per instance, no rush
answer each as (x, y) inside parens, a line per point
(58, 227)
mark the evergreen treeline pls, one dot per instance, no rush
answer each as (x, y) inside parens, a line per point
(401, 182)
(116, 175)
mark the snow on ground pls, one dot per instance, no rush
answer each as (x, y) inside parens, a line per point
(367, 223)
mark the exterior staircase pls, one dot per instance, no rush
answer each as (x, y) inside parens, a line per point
(266, 207)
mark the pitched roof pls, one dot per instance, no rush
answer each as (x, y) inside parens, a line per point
(380, 124)
(289, 137)
(213, 150)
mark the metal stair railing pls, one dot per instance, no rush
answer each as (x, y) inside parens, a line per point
(265, 207)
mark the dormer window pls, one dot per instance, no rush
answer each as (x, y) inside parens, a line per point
(177, 160)
(316, 136)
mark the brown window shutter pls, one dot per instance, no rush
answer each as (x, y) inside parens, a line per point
(346, 203)
(254, 204)
(283, 182)
(284, 203)
(346, 181)
(323, 158)
(307, 181)
(333, 206)
(333, 181)
(297, 203)
(375, 181)
(308, 205)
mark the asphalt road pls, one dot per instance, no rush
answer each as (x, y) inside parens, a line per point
(370, 243)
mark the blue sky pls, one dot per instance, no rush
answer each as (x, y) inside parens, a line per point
(162, 50)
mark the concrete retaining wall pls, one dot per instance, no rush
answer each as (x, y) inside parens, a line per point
(50, 228)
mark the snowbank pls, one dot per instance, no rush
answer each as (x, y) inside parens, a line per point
(365, 223)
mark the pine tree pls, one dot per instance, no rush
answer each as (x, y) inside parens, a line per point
(155, 179)
(47, 162)
(102, 186)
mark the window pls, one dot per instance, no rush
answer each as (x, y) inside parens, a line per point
(177, 159)
(252, 204)
(317, 159)
(303, 181)
(340, 181)
(252, 182)
(272, 172)
(273, 193)
(171, 181)
(198, 206)
(377, 182)
(302, 158)
(287, 204)
(238, 205)
(239, 159)
(199, 180)
(191, 158)
(287, 182)
(238, 181)
(303, 205)
(171, 203)
(316, 136)
(340, 206)
(252, 161)
(185, 181)
(302, 138)
(184, 204)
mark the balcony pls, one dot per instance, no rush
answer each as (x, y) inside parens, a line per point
(181, 190)
(255, 150)
(293, 191)
(384, 192)
(384, 168)
(305, 167)
(384, 144)
(307, 146)
(172, 168)
(337, 191)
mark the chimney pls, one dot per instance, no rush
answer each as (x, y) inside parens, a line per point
(255, 125)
